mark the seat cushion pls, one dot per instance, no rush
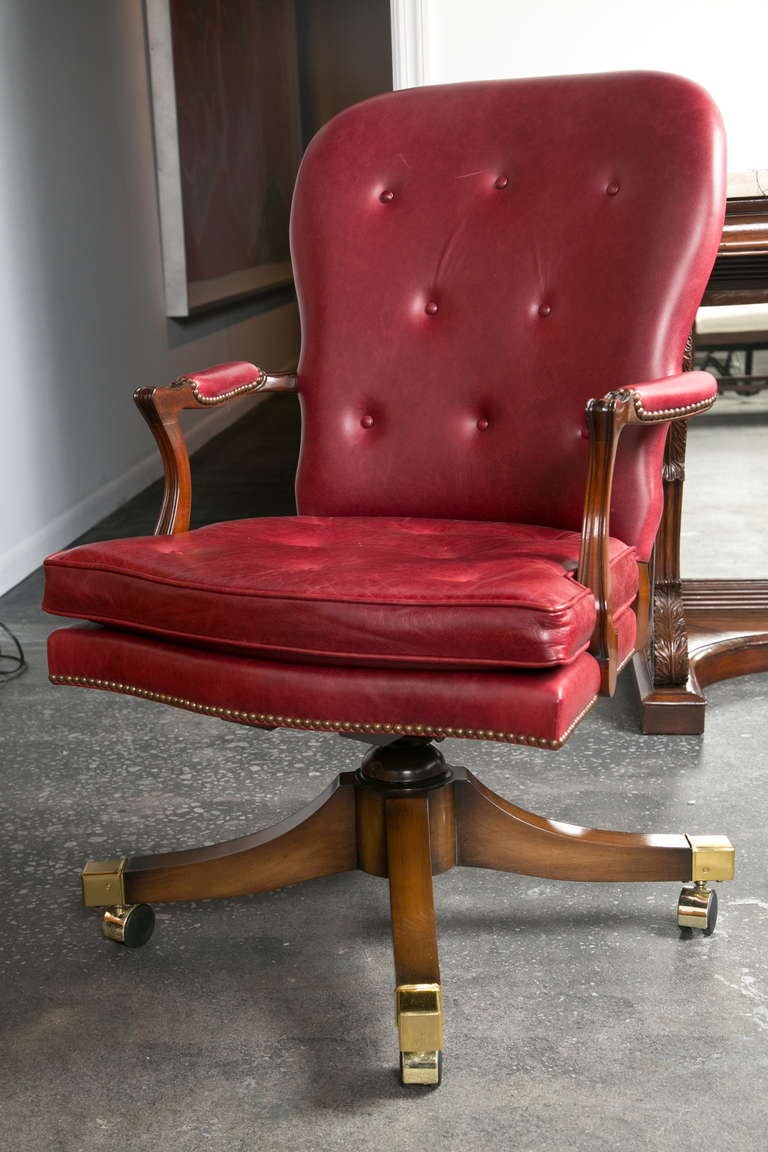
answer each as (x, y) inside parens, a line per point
(348, 590)
(539, 708)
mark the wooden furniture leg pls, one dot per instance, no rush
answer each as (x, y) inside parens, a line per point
(418, 995)
(320, 840)
(493, 833)
(703, 630)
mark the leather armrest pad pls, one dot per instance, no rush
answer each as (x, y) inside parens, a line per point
(675, 395)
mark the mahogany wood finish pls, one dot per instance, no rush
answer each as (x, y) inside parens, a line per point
(728, 628)
(496, 834)
(704, 630)
(643, 607)
(407, 832)
(606, 419)
(317, 841)
(411, 899)
(670, 641)
(161, 408)
(670, 703)
(740, 274)
(727, 635)
(371, 828)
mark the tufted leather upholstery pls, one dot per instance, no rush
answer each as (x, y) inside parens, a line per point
(473, 263)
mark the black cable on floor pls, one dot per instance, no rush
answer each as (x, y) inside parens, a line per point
(11, 664)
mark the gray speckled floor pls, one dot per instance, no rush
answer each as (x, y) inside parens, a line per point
(577, 1016)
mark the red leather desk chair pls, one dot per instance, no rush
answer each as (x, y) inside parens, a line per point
(473, 263)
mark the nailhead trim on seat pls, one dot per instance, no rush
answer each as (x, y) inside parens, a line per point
(271, 720)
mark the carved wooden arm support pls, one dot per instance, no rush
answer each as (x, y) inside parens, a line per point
(162, 407)
(660, 401)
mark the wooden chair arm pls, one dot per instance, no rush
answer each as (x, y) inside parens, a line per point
(161, 408)
(662, 401)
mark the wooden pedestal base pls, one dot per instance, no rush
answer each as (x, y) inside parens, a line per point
(727, 629)
(406, 815)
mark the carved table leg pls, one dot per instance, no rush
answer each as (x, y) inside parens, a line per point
(670, 703)
(703, 630)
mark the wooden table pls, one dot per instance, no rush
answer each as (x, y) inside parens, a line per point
(704, 630)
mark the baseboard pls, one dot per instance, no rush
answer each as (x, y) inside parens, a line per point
(28, 554)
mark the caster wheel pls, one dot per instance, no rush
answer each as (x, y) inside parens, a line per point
(697, 908)
(421, 1068)
(129, 924)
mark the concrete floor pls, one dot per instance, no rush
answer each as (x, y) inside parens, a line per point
(578, 1017)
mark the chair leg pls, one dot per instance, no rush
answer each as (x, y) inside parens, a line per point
(414, 936)
(493, 833)
(320, 840)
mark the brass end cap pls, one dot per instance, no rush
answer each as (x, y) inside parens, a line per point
(419, 1011)
(712, 857)
(103, 883)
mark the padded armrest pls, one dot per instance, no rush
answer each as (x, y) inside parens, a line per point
(161, 408)
(674, 397)
(224, 382)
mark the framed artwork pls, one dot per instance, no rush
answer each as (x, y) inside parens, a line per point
(225, 95)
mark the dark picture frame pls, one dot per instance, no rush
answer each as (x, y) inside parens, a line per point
(226, 108)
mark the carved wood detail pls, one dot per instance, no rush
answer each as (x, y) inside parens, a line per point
(670, 639)
(670, 636)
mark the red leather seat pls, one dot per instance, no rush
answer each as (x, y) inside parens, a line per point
(415, 593)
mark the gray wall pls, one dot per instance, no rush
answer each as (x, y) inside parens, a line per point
(81, 297)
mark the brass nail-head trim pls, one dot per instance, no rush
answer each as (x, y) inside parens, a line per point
(712, 857)
(419, 1013)
(648, 416)
(251, 386)
(103, 883)
(270, 719)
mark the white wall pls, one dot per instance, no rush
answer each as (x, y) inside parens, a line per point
(81, 299)
(719, 43)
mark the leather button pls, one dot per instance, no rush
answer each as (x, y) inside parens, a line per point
(387, 196)
(367, 421)
(431, 308)
(482, 424)
(501, 182)
(545, 309)
(612, 188)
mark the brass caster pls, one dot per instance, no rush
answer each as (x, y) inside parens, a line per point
(697, 907)
(128, 924)
(421, 1067)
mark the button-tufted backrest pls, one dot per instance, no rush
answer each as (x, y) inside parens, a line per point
(473, 263)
